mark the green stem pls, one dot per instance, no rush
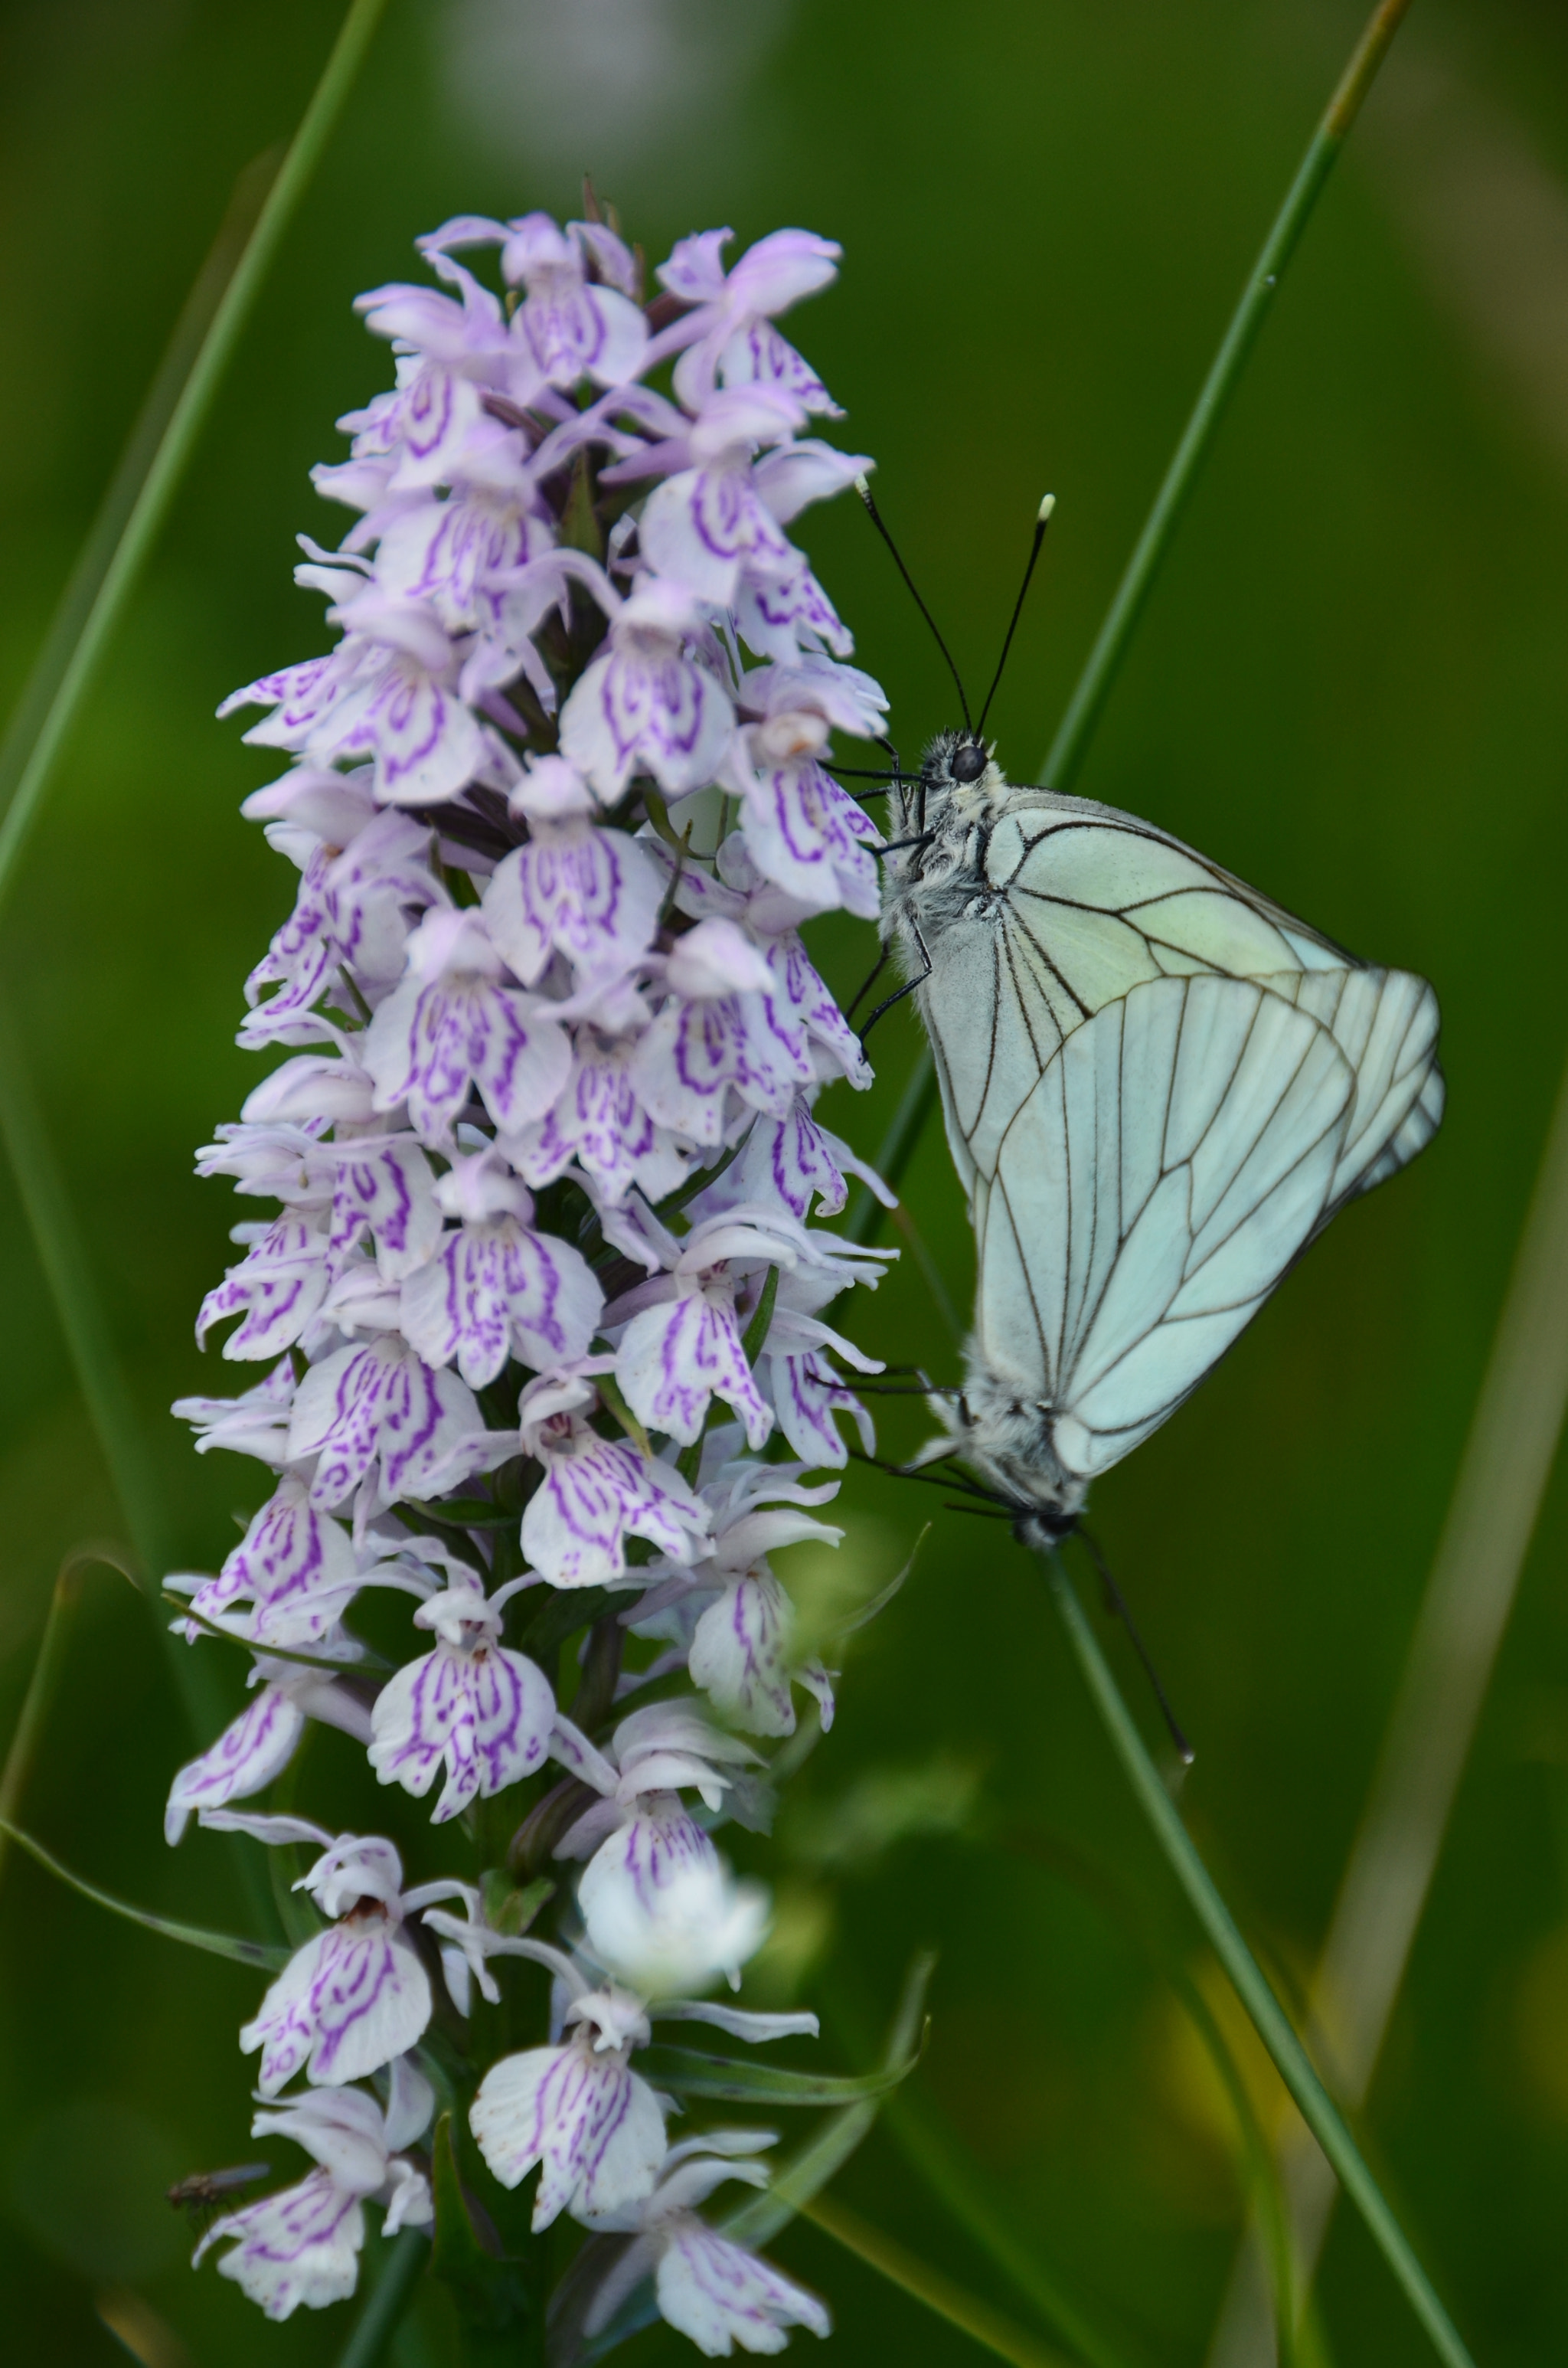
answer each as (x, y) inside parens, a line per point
(1077, 727)
(897, 1147)
(121, 566)
(915, 2277)
(44, 1683)
(389, 2298)
(64, 1257)
(1267, 2017)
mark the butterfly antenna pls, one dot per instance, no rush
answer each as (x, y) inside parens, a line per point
(864, 490)
(1043, 520)
(1117, 1602)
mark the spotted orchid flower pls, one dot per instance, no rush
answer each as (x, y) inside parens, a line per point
(708, 2286)
(594, 1491)
(593, 896)
(259, 1743)
(303, 2245)
(451, 1025)
(355, 1996)
(647, 703)
(472, 1707)
(495, 1287)
(729, 338)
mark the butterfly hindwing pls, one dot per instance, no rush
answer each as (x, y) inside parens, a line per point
(1172, 1159)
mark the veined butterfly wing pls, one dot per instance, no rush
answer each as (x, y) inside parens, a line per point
(1070, 905)
(1172, 1159)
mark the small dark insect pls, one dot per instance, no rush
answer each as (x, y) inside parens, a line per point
(205, 2191)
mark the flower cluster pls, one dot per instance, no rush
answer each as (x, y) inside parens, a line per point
(542, 1309)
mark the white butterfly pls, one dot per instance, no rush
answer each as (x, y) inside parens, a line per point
(1158, 1088)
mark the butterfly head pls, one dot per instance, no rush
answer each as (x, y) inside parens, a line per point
(960, 781)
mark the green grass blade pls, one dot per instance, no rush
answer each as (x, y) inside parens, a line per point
(688, 2072)
(1498, 1489)
(1093, 688)
(939, 2294)
(1264, 2010)
(193, 1936)
(388, 2300)
(121, 564)
(47, 1670)
(1084, 709)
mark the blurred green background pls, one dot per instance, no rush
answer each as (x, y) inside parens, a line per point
(1351, 689)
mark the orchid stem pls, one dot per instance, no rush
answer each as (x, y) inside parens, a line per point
(1246, 1978)
(1077, 727)
(388, 2300)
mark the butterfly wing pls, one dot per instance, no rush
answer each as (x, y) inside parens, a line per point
(1175, 1156)
(1079, 905)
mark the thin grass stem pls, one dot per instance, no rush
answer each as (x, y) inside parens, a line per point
(122, 561)
(940, 2293)
(1504, 1470)
(1246, 1978)
(44, 1683)
(1093, 687)
(1084, 709)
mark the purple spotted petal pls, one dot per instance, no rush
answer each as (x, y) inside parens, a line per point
(432, 1038)
(598, 2130)
(378, 1405)
(498, 1289)
(300, 2246)
(738, 1654)
(277, 1287)
(591, 894)
(389, 1191)
(802, 832)
(598, 1121)
(715, 2292)
(294, 1566)
(344, 2004)
(674, 1358)
(592, 1492)
(249, 1753)
(486, 1714)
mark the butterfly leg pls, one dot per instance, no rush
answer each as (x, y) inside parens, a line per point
(908, 988)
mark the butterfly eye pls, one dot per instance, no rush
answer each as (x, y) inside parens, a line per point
(968, 762)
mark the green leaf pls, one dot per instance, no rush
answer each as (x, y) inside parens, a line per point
(825, 2154)
(488, 2290)
(690, 2073)
(761, 2217)
(755, 1332)
(195, 1936)
(569, 1609)
(467, 1512)
(369, 1667)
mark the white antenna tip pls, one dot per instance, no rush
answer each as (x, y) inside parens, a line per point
(1047, 506)
(862, 485)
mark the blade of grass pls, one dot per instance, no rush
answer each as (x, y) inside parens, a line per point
(915, 2277)
(961, 2185)
(192, 1936)
(44, 1683)
(1100, 669)
(1503, 1473)
(1084, 709)
(165, 454)
(1262, 2008)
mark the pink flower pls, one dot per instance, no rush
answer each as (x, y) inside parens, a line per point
(645, 705)
(452, 1024)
